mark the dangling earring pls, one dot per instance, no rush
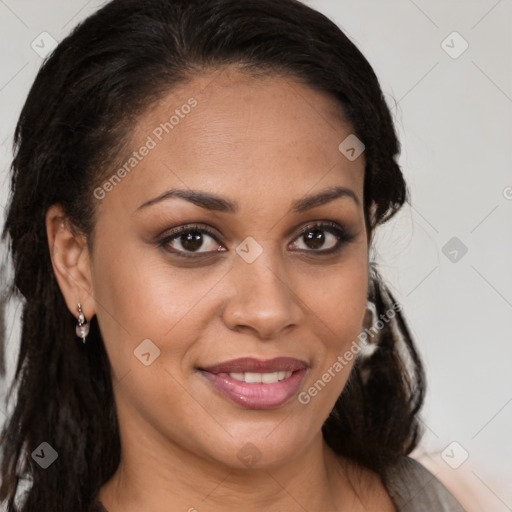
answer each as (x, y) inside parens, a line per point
(372, 322)
(371, 314)
(82, 327)
(367, 342)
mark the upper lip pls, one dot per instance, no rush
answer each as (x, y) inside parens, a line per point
(250, 364)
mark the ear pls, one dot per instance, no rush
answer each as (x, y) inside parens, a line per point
(70, 261)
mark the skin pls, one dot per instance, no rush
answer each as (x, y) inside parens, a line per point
(263, 143)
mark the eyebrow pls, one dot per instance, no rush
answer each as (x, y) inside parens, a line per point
(216, 203)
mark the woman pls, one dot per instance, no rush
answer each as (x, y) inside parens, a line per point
(195, 189)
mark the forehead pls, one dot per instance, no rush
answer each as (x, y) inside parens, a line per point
(231, 133)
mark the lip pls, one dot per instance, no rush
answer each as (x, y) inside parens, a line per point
(256, 395)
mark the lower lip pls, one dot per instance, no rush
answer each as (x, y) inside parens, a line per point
(256, 395)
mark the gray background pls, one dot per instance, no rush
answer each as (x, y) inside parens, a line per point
(452, 110)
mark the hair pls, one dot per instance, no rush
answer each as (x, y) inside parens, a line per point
(73, 126)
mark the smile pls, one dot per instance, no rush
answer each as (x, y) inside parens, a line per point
(256, 384)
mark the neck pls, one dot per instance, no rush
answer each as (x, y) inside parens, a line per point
(157, 475)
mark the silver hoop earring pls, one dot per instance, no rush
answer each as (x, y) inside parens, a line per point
(82, 327)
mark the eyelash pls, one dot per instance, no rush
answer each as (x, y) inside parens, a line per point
(343, 235)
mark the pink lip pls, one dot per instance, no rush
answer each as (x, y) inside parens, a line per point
(256, 395)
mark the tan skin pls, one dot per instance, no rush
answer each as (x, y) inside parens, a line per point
(262, 143)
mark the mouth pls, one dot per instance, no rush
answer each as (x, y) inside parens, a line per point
(254, 383)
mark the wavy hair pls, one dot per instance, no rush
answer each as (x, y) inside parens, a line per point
(73, 126)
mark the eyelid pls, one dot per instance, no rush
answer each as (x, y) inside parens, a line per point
(189, 227)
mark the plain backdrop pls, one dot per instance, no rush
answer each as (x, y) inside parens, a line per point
(445, 70)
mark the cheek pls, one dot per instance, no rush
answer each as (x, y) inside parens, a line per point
(337, 296)
(337, 304)
(157, 299)
(140, 297)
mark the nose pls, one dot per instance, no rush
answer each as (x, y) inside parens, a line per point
(263, 300)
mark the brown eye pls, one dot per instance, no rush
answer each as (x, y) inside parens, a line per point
(191, 241)
(321, 239)
(314, 238)
(186, 241)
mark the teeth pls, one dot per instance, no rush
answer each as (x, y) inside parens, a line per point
(252, 377)
(265, 378)
(270, 378)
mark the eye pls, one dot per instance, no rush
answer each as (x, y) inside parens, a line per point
(195, 241)
(191, 239)
(324, 238)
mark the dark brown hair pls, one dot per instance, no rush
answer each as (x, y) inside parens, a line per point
(74, 123)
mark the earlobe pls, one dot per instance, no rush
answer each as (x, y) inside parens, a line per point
(69, 255)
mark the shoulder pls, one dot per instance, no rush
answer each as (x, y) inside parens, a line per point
(415, 489)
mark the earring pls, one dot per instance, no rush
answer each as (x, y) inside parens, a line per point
(82, 327)
(371, 314)
(372, 323)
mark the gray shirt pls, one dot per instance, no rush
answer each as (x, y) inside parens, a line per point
(414, 489)
(411, 487)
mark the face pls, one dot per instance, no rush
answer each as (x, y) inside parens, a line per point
(230, 269)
